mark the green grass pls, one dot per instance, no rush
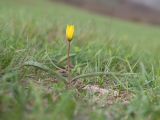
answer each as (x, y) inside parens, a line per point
(32, 48)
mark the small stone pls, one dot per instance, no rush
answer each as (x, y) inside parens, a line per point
(116, 93)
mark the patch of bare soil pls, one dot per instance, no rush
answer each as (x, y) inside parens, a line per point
(104, 97)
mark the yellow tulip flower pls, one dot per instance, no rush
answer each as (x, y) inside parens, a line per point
(70, 32)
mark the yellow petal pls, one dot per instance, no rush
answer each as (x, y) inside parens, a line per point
(70, 32)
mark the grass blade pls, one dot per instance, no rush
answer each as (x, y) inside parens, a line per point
(44, 68)
(101, 73)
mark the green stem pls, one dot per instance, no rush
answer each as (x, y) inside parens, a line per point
(68, 62)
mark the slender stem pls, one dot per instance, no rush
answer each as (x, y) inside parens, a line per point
(68, 62)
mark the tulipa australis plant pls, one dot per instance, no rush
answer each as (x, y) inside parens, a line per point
(69, 37)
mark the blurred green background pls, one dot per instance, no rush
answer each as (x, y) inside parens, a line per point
(32, 40)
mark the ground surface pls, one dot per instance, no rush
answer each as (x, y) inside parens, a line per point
(132, 10)
(33, 55)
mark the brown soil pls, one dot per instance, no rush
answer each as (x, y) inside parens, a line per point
(123, 9)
